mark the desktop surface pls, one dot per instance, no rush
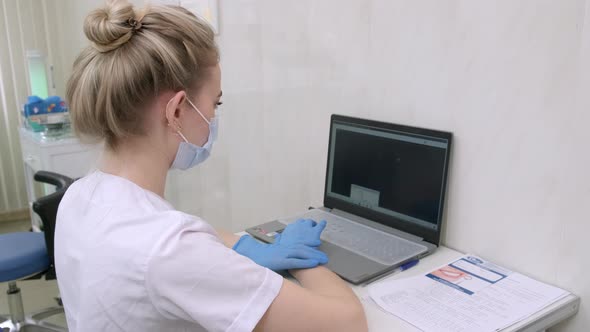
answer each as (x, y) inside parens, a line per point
(379, 320)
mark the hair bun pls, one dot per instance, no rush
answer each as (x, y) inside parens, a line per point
(108, 28)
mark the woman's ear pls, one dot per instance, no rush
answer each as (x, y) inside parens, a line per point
(173, 110)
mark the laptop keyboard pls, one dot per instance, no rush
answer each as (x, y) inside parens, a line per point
(374, 244)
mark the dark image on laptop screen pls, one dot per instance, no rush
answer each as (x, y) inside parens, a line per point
(388, 171)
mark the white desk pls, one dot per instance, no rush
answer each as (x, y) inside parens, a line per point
(380, 320)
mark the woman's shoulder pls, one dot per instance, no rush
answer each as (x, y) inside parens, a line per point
(181, 222)
(118, 210)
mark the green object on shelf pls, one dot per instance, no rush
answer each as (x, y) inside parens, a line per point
(34, 126)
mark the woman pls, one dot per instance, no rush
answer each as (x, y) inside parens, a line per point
(126, 260)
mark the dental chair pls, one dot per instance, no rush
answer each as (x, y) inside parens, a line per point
(29, 255)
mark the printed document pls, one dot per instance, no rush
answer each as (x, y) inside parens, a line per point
(469, 294)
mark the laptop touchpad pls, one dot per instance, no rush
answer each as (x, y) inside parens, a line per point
(348, 265)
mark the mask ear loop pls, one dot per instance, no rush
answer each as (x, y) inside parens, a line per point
(181, 135)
(177, 127)
(196, 109)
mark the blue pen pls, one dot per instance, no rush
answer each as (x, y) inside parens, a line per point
(409, 264)
(403, 267)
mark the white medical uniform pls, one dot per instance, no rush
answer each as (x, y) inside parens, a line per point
(127, 261)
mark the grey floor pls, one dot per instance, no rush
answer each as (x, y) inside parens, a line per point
(37, 294)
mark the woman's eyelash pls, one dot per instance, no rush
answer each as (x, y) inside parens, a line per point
(219, 103)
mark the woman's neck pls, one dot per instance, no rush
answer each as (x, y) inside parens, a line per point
(138, 162)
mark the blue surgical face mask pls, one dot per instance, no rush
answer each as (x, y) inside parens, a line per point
(188, 154)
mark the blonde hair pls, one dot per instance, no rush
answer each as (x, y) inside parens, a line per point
(133, 57)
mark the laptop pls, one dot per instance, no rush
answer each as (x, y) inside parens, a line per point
(383, 199)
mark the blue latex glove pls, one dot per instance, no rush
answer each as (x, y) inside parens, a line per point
(279, 257)
(302, 231)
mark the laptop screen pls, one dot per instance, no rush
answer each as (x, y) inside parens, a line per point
(392, 174)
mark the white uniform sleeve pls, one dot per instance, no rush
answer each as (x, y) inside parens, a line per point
(192, 276)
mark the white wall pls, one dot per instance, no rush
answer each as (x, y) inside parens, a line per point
(511, 79)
